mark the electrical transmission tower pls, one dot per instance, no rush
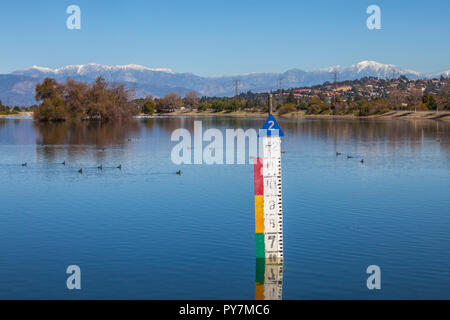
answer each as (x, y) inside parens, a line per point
(236, 87)
(280, 84)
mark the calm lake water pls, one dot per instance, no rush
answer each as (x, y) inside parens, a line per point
(144, 232)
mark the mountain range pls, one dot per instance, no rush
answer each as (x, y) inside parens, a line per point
(17, 88)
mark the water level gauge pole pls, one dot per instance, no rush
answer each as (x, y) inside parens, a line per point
(272, 191)
(269, 212)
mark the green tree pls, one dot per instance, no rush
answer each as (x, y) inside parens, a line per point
(317, 106)
(48, 89)
(363, 110)
(287, 108)
(149, 107)
(218, 105)
(203, 106)
(235, 105)
(51, 109)
(302, 106)
(291, 97)
(429, 101)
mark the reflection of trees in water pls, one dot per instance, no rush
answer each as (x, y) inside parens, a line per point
(442, 134)
(392, 132)
(170, 124)
(16, 131)
(84, 135)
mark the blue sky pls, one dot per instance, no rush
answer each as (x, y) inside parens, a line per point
(225, 37)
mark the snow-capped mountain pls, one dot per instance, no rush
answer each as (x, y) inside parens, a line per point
(373, 68)
(18, 87)
(90, 69)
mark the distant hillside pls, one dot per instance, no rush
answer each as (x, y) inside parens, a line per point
(18, 87)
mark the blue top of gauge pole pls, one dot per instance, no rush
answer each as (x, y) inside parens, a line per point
(272, 127)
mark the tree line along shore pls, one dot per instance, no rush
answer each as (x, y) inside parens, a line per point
(367, 97)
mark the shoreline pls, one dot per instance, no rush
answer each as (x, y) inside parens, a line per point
(17, 115)
(391, 115)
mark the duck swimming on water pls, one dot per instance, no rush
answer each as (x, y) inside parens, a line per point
(63, 163)
(178, 172)
(81, 170)
(119, 166)
(100, 167)
(24, 164)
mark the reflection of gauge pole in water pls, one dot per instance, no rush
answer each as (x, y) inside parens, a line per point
(269, 214)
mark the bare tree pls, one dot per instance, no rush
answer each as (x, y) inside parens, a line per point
(396, 97)
(170, 102)
(414, 97)
(443, 98)
(191, 100)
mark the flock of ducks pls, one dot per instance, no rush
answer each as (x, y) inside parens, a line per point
(100, 167)
(348, 157)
